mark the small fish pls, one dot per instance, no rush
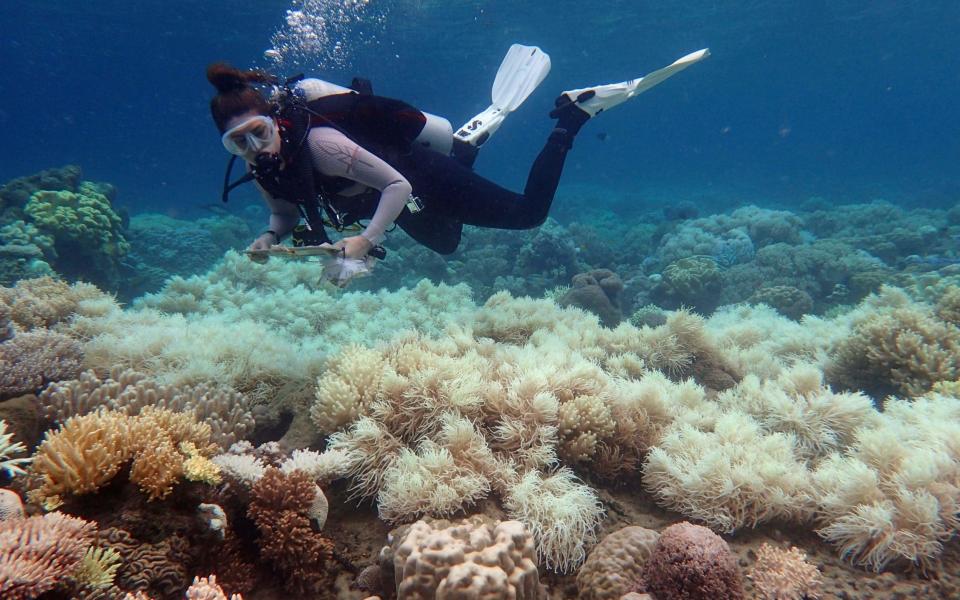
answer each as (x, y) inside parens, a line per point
(602, 136)
(272, 54)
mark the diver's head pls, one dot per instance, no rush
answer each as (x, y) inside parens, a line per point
(241, 113)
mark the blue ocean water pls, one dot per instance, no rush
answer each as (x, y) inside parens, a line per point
(846, 100)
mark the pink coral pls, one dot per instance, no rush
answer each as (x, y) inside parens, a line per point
(690, 562)
(41, 552)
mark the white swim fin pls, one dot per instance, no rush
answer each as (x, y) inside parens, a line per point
(596, 99)
(522, 70)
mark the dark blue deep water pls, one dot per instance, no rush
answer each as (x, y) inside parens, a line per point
(847, 100)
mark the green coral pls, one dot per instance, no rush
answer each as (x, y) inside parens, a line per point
(87, 232)
(84, 216)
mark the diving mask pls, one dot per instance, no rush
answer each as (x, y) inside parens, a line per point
(253, 135)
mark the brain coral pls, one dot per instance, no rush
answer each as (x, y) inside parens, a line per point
(469, 558)
(615, 565)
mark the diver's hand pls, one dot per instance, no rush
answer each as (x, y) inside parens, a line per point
(355, 246)
(264, 242)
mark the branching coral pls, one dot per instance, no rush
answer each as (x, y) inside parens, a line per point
(784, 575)
(40, 553)
(281, 506)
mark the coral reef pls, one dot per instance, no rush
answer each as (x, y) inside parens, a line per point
(468, 558)
(33, 359)
(598, 292)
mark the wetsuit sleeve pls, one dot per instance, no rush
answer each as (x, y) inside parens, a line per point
(336, 155)
(283, 215)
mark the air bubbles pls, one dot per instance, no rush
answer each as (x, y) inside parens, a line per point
(322, 34)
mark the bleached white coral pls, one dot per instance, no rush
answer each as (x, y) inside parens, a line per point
(428, 482)
(895, 494)
(730, 475)
(560, 511)
(8, 447)
(320, 466)
(242, 467)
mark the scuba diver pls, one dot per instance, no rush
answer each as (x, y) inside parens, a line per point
(363, 159)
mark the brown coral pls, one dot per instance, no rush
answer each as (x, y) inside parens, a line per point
(690, 562)
(784, 575)
(615, 565)
(157, 568)
(40, 553)
(280, 506)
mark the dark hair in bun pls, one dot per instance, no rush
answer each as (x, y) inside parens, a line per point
(235, 94)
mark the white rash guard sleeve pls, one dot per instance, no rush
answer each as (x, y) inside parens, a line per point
(336, 155)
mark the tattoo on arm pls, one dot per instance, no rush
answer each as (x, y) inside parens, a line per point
(344, 155)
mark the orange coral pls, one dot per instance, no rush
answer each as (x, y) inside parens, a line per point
(88, 451)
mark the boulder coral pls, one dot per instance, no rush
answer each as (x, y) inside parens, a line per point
(615, 565)
(690, 562)
(473, 557)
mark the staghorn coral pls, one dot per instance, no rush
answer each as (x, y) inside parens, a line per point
(615, 565)
(784, 575)
(33, 359)
(40, 553)
(690, 562)
(87, 451)
(128, 391)
(469, 558)
(281, 506)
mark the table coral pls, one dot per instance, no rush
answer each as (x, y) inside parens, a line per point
(469, 558)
